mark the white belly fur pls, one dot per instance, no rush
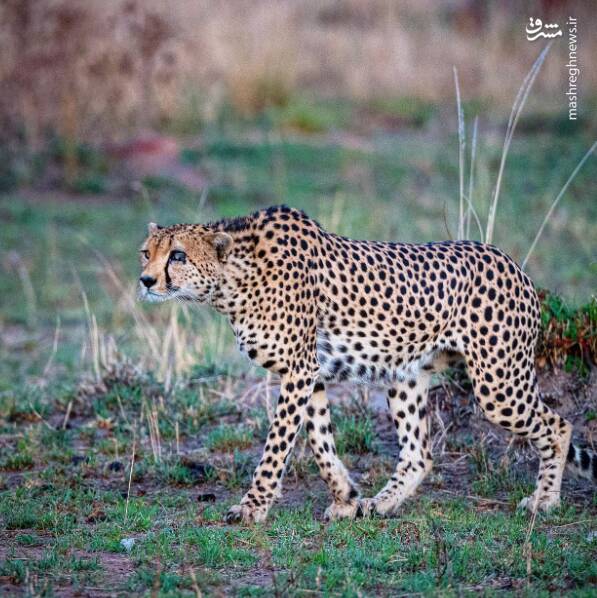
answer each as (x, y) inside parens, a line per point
(339, 360)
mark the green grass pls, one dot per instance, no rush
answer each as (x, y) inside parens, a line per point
(445, 546)
(491, 479)
(228, 438)
(403, 110)
(569, 336)
(65, 512)
(354, 434)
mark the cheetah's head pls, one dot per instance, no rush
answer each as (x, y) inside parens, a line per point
(182, 262)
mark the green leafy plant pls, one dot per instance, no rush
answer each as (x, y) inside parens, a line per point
(569, 335)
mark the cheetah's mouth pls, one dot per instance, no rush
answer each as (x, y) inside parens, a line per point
(171, 293)
(153, 296)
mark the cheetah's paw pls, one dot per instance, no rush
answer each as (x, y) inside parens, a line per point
(341, 510)
(544, 503)
(245, 514)
(376, 507)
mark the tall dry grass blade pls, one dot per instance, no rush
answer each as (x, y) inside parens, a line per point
(69, 408)
(94, 338)
(184, 352)
(202, 201)
(336, 215)
(84, 343)
(195, 585)
(164, 367)
(519, 102)
(153, 427)
(92, 329)
(527, 548)
(177, 356)
(122, 411)
(156, 424)
(556, 201)
(28, 289)
(40, 417)
(50, 361)
(178, 342)
(461, 152)
(471, 207)
(128, 491)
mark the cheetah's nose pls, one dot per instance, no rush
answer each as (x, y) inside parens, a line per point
(148, 281)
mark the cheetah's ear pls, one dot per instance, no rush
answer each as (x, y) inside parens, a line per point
(221, 242)
(152, 227)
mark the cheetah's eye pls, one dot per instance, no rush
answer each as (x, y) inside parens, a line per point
(178, 256)
(144, 253)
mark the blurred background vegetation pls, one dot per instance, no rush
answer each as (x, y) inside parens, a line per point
(114, 113)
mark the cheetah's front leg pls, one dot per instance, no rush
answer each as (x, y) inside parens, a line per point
(295, 392)
(331, 468)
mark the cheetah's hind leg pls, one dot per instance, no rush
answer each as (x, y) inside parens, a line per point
(550, 435)
(407, 402)
(509, 398)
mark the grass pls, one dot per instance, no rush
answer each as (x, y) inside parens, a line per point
(229, 438)
(354, 434)
(442, 545)
(66, 506)
(106, 89)
(569, 336)
(401, 188)
(490, 478)
(323, 180)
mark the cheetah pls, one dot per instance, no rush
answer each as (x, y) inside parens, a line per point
(314, 307)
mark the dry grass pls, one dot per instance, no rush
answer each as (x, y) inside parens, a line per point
(100, 68)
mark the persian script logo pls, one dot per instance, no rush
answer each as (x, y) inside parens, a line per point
(537, 28)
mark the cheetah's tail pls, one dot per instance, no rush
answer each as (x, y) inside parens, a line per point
(582, 462)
